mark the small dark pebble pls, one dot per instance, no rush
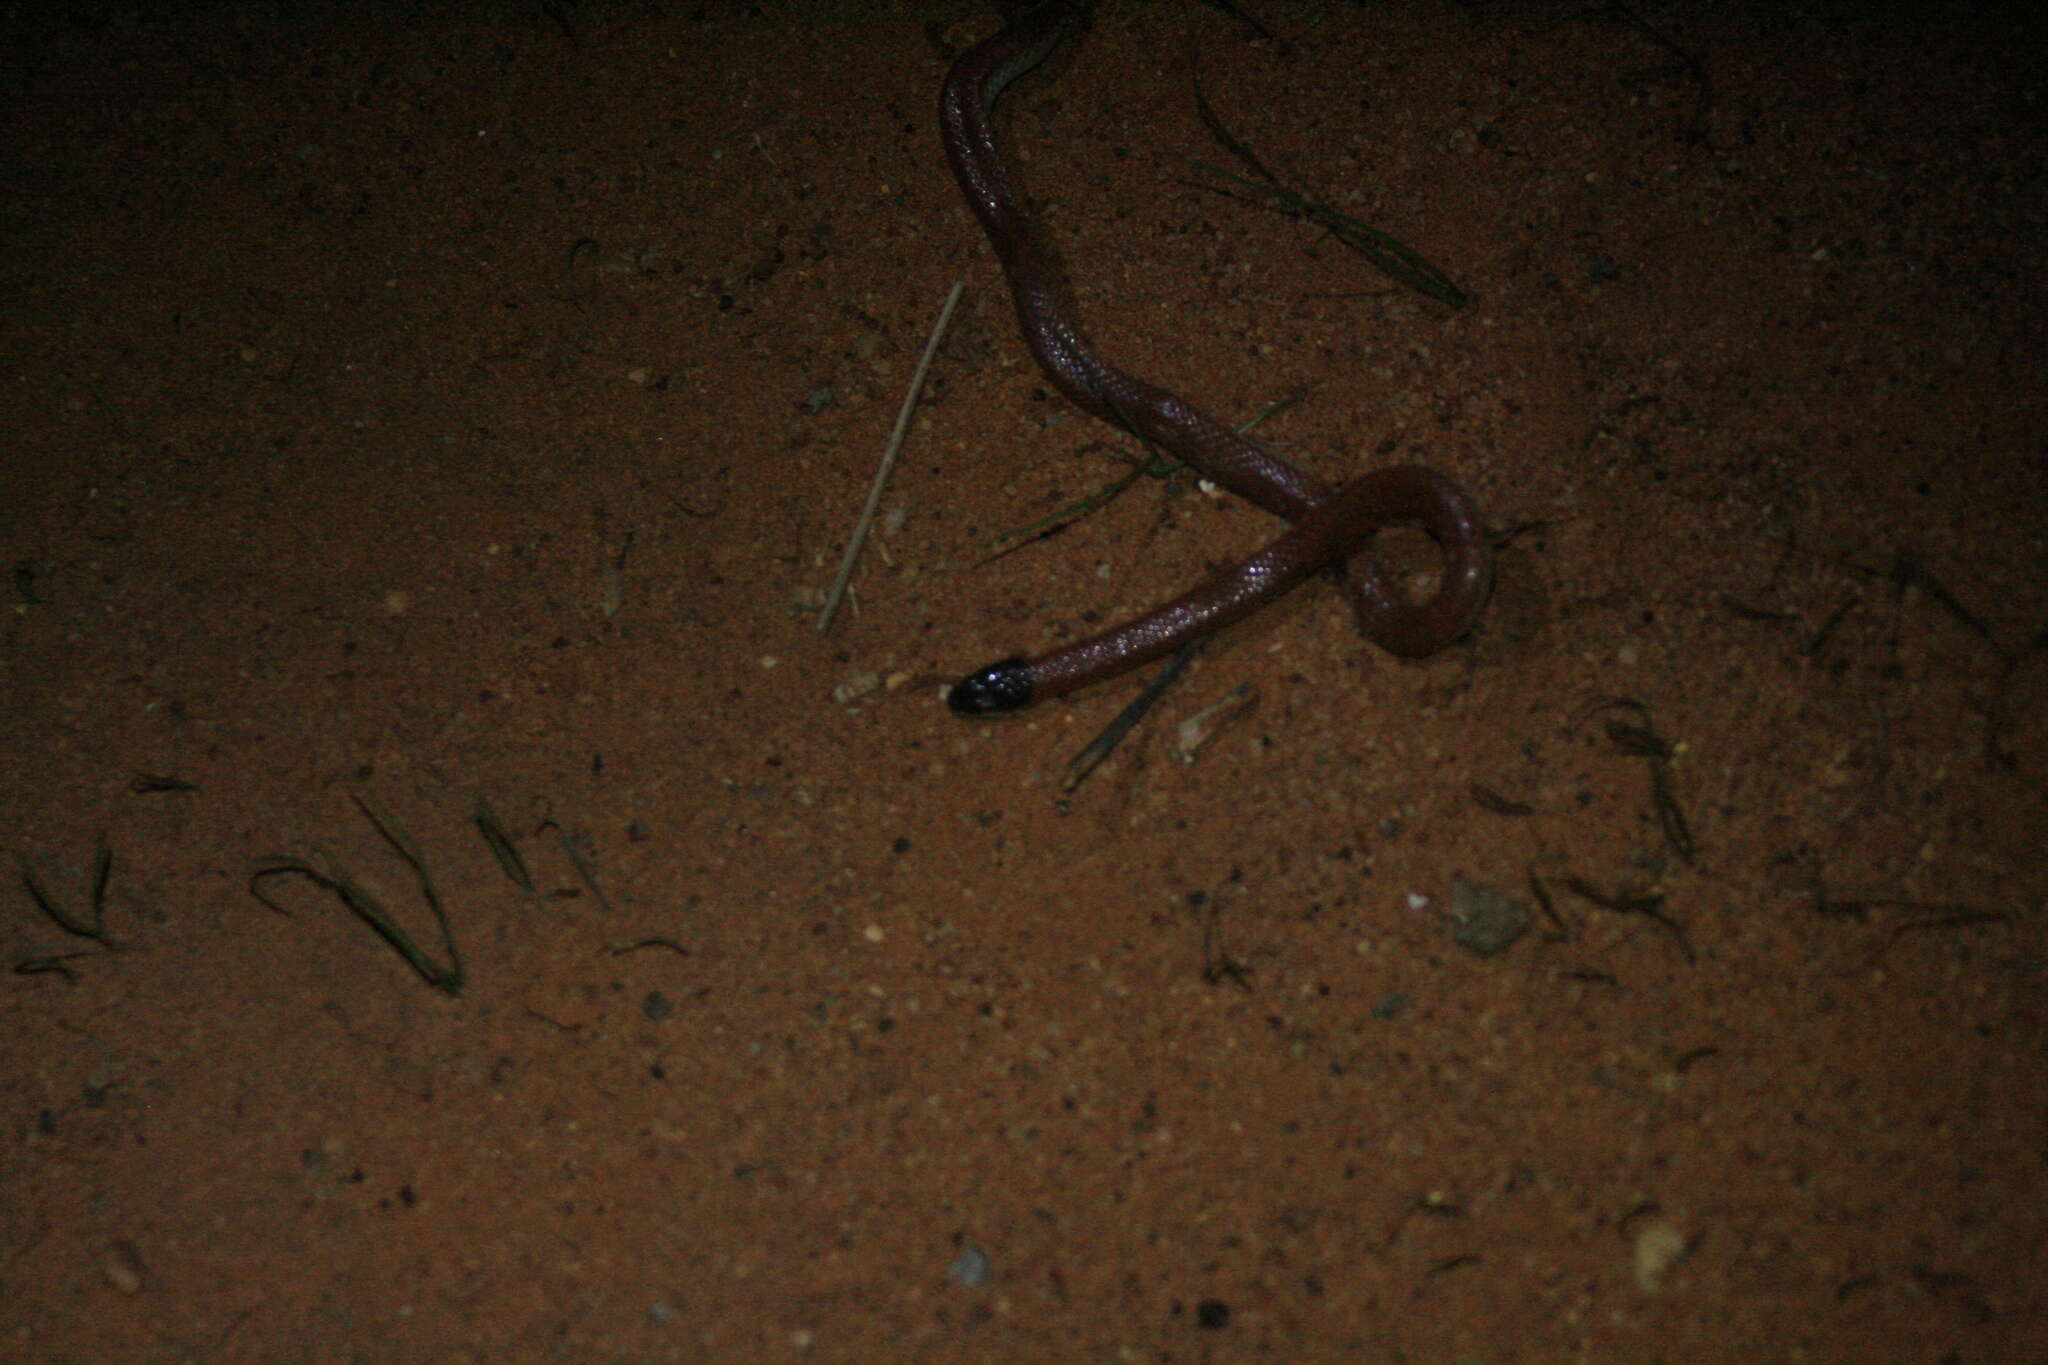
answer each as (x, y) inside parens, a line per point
(1484, 919)
(971, 1268)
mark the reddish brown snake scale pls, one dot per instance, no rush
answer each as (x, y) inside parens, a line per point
(1331, 527)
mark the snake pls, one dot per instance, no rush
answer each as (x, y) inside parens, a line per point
(1332, 527)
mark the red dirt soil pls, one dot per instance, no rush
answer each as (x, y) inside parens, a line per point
(416, 406)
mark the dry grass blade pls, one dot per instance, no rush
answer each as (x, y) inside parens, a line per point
(1909, 570)
(1260, 30)
(1638, 741)
(1113, 733)
(577, 845)
(96, 900)
(1487, 799)
(657, 942)
(327, 872)
(1670, 814)
(888, 462)
(501, 845)
(1392, 255)
(1157, 464)
(1195, 731)
(53, 964)
(1642, 741)
(1648, 904)
(330, 875)
(1695, 130)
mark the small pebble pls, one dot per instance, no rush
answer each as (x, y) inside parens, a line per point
(1659, 1246)
(124, 1267)
(1484, 919)
(970, 1269)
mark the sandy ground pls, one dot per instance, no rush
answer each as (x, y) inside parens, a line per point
(409, 410)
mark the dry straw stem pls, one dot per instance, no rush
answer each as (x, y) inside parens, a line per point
(867, 513)
(324, 870)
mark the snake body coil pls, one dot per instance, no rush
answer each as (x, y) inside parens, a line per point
(1332, 526)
